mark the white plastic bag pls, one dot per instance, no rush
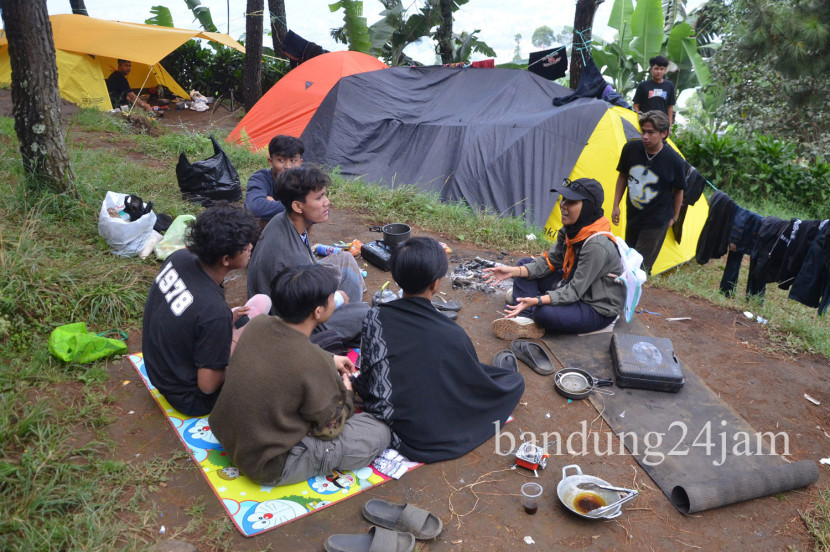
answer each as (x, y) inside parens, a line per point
(174, 237)
(125, 238)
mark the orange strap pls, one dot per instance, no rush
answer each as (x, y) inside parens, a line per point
(602, 224)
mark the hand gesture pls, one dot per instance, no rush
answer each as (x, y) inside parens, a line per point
(497, 274)
(521, 304)
(344, 365)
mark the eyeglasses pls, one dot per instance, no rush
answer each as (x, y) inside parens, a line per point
(577, 187)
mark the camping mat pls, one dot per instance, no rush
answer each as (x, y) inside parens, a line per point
(255, 508)
(707, 456)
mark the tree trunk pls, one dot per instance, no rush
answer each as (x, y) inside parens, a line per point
(78, 7)
(583, 23)
(445, 32)
(252, 75)
(36, 103)
(279, 25)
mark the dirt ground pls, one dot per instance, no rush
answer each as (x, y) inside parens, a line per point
(477, 496)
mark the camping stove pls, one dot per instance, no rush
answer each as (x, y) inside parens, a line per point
(378, 254)
(531, 457)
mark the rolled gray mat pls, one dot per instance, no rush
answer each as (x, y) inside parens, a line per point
(704, 495)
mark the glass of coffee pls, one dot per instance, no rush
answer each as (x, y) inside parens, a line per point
(530, 497)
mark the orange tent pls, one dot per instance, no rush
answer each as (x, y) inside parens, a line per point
(289, 105)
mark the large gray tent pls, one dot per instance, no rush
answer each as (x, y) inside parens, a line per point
(490, 137)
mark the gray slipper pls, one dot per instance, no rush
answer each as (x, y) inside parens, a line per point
(534, 356)
(443, 305)
(403, 517)
(507, 360)
(452, 315)
(376, 540)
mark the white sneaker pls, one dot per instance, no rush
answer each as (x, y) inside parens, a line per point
(517, 328)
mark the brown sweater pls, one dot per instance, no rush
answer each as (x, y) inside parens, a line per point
(279, 387)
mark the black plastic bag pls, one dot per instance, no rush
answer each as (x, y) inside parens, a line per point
(214, 179)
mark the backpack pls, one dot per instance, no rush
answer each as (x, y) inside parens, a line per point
(633, 276)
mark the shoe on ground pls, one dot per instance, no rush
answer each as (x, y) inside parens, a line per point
(519, 327)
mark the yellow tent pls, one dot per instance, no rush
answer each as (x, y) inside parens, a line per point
(88, 49)
(599, 160)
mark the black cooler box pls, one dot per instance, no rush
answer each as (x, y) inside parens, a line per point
(644, 362)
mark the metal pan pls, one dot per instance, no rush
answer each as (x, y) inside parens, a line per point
(573, 383)
(575, 499)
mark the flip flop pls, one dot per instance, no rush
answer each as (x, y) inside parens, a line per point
(507, 360)
(452, 315)
(376, 540)
(443, 305)
(403, 517)
(534, 356)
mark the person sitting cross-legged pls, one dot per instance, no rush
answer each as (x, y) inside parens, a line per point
(286, 412)
(189, 332)
(419, 371)
(572, 288)
(303, 192)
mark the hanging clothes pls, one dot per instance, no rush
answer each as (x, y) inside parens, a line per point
(811, 285)
(743, 237)
(800, 242)
(713, 242)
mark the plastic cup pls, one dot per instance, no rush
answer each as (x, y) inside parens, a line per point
(530, 497)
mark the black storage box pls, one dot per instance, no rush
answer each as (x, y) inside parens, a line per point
(644, 362)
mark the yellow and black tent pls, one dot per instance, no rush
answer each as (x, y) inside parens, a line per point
(87, 52)
(489, 137)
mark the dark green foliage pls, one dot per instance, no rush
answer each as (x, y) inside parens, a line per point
(770, 73)
(217, 70)
(759, 166)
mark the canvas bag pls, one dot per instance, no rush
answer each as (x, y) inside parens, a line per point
(633, 276)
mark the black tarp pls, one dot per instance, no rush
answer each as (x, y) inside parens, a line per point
(489, 137)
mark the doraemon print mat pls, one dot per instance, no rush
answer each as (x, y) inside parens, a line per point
(253, 508)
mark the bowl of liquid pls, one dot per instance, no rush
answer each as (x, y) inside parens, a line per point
(591, 503)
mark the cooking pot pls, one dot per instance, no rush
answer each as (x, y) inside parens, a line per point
(592, 503)
(393, 234)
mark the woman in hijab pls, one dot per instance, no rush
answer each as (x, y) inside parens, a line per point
(572, 288)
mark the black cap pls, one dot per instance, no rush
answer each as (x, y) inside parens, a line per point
(581, 189)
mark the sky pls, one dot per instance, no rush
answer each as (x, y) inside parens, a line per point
(498, 20)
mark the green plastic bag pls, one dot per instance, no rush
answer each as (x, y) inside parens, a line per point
(174, 237)
(72, 343)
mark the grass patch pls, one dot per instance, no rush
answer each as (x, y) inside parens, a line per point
(456, 219)
(817, 521)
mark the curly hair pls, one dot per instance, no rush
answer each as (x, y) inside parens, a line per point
(295, 184)
(221, 230)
